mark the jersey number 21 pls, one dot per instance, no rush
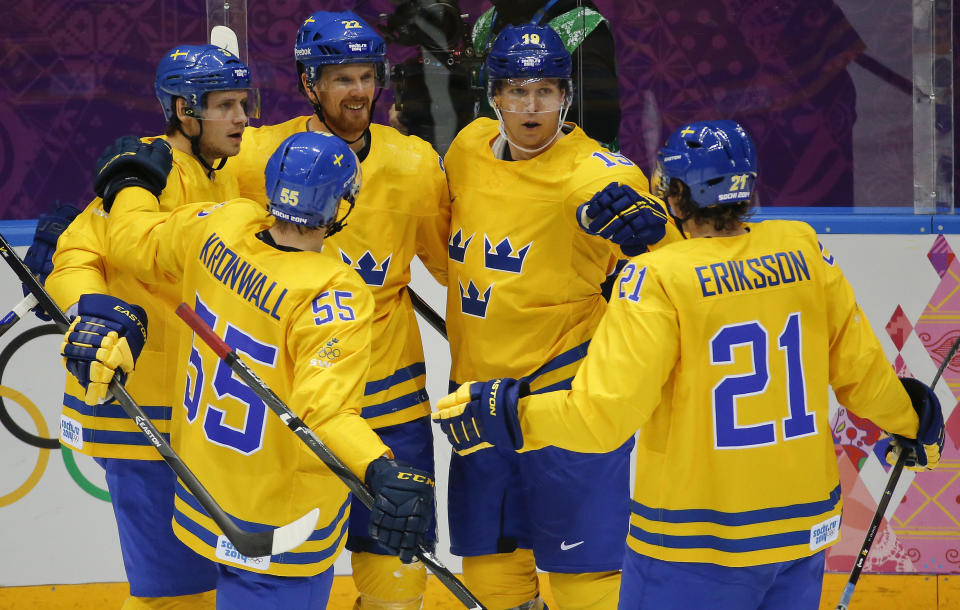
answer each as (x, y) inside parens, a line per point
(727, 433)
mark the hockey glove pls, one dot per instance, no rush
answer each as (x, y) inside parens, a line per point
(923, 452)
(130, 162)
(403, 506)
(39, 256)
(481, 415)
(628, 219)
(104, 340)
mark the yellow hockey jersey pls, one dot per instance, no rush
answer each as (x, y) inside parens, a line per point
(80, 267)
(302, 322)
(721, 352)
(523, 297)
(402, 211)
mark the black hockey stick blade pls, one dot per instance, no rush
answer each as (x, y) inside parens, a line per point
(310, 438)
(895, 473)
(16, 314)
(427, 313)
(251, 544)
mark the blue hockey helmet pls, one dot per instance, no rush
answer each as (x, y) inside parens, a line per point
(328, 38)
(715, 159)
(528, 52)
(308, 175)
(192, 71)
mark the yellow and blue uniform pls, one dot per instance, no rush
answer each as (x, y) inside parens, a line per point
(402, 211)
(302, 323)
(720, 351)
(157, 564)
(80, 267)
(523, 301)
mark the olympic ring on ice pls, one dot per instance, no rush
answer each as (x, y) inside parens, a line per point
(8, 351)
(71, 463)
(44, 456)
(39, 440)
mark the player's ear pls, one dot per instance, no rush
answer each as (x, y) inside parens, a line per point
(181, 105)
(306, 84)
(497, 92)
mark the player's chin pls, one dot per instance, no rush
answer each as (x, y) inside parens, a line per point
(532, 137)
(228, 148)
(355, 121)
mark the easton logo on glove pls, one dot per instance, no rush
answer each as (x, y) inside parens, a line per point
(492, 397)
(132, 316)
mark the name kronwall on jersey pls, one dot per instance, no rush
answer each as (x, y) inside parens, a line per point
(228, 268)
(766, 271)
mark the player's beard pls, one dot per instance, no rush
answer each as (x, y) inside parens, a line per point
(349, 125)
(211, 150)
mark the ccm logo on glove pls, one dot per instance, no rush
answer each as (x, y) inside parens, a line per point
(418, 478)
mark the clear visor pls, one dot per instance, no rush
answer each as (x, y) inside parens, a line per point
(530, 95)
(659, 185)
(230, 105)
(344, 78)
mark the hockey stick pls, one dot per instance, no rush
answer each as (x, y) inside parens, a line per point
(309, 437)
(844, 602)
(427, 313)
(19, 310)
(251, 544)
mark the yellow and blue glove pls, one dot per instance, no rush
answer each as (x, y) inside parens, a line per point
(482, 415)
(104, 340)
(923, 452)
(625, 217)
(402, 509)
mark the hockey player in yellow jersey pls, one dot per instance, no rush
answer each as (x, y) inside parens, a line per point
(302, 322)
(540, 214)
(206, 98)
(402, 211)
(720, 349)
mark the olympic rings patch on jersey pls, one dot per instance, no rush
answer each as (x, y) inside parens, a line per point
(327, 354)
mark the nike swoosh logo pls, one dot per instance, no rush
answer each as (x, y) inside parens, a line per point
(566, 547)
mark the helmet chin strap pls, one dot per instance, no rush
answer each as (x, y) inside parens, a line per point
(503, 131)
(195, 150)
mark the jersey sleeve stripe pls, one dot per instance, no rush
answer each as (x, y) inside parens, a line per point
(397, 404)
(565, 359)
(564, 384)
(399, 376)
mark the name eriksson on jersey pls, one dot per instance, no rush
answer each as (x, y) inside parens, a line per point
(239, 275)
(766, 271)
